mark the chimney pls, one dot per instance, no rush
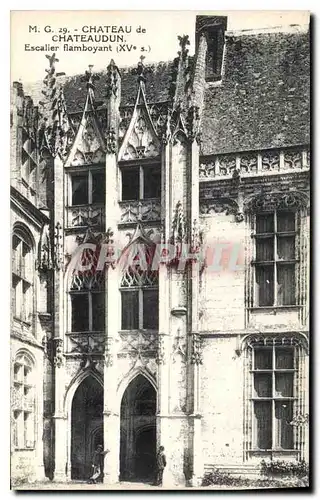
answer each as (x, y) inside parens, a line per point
(213, 28)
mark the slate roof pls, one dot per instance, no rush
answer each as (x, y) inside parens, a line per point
(263, 101)
(157, 86)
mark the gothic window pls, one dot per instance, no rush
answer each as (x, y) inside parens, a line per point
(139, 299)
(274, 389)
(141, 182)
(28, 160)
(87, 296)
(23, 403)
(88, 187)
(275, 261)
(22, 277)
(273, 397)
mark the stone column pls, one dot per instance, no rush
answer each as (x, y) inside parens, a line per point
(111, 410)
(194, 339)
(59, 417)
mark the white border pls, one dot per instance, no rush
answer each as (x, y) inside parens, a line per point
(313, 6)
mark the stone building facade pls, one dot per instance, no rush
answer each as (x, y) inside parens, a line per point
(207, 159)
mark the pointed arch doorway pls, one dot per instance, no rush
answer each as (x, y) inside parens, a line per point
(86, 426)
(138, 431)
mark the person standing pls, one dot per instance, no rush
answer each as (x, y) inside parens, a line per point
(97, 463)
(160, 464)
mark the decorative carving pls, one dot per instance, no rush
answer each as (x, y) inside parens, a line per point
(197, 346)
(160, 359)
(126, 113)
(58, 246)
(248, 163)
(108, 354)
(142, 142)
(218, 206)
(159, 114)
(227, 165)
(45, 262)
(179, 347)
(58, 359)
(183, 42)
(55, 128)
(84, 216)
(112, 80)
(142, 344)
(135, 211)
(178, 225)
(88, 157)
(277, 200)
(256, 340)
(196, 238)
(86, 343)
(111, 142)
(193, 122)
(292, 159)
(207, 170)
(141, 71)
(270, 160)
(308, 159)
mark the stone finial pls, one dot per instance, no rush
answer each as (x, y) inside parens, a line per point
(90, 78)
(183, 42)
(141, 70)
(112, 79)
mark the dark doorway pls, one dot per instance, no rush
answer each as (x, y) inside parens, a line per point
(138, 431)
(86, 426)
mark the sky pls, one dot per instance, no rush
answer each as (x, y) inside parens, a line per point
(159, 39)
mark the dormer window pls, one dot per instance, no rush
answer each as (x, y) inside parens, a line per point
(213, 28)
(141, 182)
(215, 41)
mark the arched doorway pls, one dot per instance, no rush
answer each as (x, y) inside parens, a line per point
(86, 426)
(138, 431)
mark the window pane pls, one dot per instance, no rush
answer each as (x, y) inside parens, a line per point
(263, 385)
(151, 309)
(265, 223)
(98, 312)
(98, 187)
(263, 359)
(152, 182)
(265, 286)
(265, 249)
(286, 284)
(284, 358)
(283, 429)
(80, 312)
(130, 184)
(129, 310)
(286, 247)
(80, 190)
(284, 385)
(285, 221)
(263, 424)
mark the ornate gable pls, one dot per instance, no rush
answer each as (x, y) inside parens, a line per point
(140, 140)
(89, 145)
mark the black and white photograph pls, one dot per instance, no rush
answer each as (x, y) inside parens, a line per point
(160, 250)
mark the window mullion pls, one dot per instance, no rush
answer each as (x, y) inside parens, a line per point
(140, 309)
(89, 187)
(141, 183)
(90, 311)
(273, 410)
(275, 278)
